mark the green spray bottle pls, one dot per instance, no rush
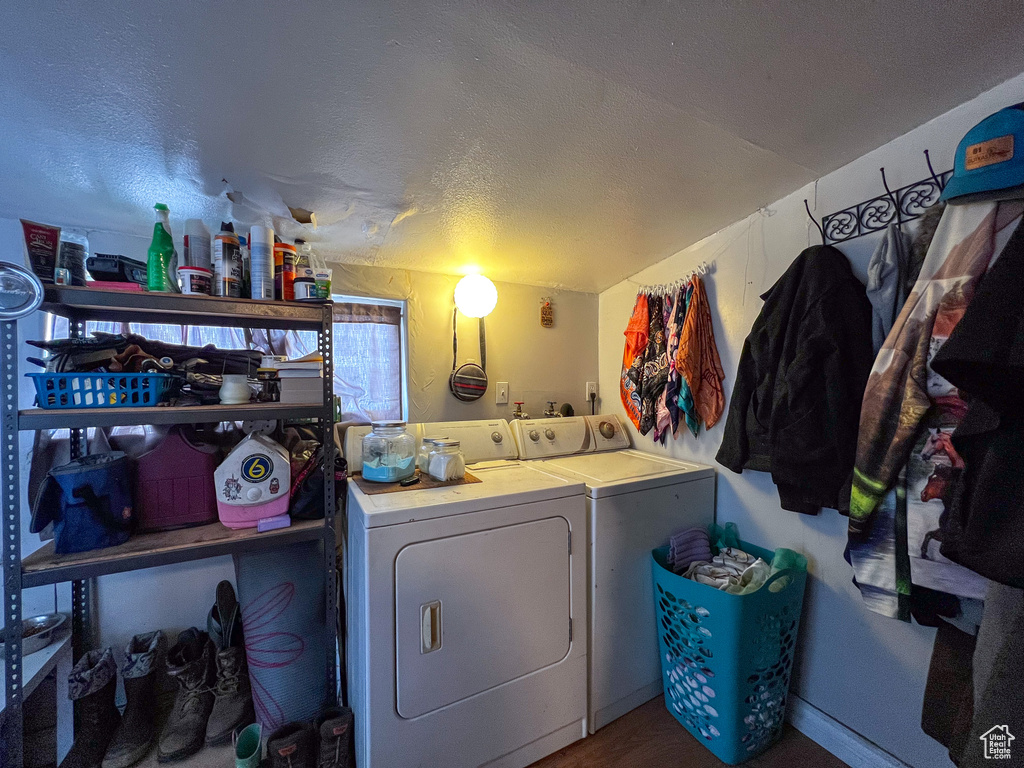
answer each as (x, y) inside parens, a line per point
(162, 261)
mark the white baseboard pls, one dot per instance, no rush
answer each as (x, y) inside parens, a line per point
(849, 746)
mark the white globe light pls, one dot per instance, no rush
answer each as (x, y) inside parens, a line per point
(475, 296)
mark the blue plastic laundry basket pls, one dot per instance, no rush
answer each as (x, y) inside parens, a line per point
(726, 659)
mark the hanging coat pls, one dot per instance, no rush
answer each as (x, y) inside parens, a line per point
(796, 401)
(908, 419)
(886, 290)
(984, 356)
(636, 347)
(698, 361)
(901, 388)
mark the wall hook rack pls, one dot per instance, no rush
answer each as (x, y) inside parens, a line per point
(662, 289)
(902, 205)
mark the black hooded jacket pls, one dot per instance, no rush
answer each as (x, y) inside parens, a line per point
(795, 407)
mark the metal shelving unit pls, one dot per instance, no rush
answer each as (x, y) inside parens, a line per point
(42, 567)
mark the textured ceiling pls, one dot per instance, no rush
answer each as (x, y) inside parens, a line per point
(557, 143)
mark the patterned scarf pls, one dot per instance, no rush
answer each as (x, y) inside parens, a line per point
(697, 359)
(632, 359)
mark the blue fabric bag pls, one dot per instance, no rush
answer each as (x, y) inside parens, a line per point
(89, 502)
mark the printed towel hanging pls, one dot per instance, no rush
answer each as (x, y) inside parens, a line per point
(697, 358)
(687, 406)
(674, 328)
(663, 419)
(907, 420)
(655, 372)
(632, 359)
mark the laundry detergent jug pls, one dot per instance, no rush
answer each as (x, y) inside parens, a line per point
(253, 482)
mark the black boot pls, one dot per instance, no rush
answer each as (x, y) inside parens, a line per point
(292, 746)
(232, 706)
(335, 730)
(190, 663)
(145, 658)
(91, 685)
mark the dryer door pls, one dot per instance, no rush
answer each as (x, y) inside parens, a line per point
(480, 609)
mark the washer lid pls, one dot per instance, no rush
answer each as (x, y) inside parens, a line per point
(614, 472)
(501, 485)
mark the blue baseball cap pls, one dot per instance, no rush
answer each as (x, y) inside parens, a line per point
(990, 158)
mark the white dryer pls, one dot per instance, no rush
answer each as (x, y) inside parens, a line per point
(466, 609)
(635, 501)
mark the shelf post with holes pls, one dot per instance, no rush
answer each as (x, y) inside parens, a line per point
(12, 736)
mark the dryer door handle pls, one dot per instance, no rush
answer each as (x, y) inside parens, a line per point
(430, 626)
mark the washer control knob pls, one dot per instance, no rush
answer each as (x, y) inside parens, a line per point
(253, 494)
(534, 435)
(549, 433)
(496, 437)
(607, 430)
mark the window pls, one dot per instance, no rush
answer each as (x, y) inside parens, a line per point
(370, 357)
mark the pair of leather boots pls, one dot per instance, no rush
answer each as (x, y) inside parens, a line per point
(326, 743)
(213, 695)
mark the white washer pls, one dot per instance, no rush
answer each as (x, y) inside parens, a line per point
(461, 608)
(635, 502)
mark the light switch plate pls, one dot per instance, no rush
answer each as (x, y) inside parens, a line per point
(501, 393)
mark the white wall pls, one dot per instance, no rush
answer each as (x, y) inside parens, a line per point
(540, 364)
(866, 671)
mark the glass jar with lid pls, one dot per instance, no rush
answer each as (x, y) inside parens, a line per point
(446, 462)
(389, 452)
(423, 453)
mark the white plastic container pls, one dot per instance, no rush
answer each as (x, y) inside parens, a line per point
(261, 262)
(195, 281)
(253, 482)
(197, 245)
(305, 289)
(234, 389)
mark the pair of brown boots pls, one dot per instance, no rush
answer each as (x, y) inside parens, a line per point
(327, 743)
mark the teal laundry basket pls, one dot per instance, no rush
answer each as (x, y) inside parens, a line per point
(726, 659)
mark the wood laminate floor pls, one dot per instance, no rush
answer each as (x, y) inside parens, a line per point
(649, 737)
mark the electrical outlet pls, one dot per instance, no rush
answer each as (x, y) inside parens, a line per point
(591, 390)
(501, 393)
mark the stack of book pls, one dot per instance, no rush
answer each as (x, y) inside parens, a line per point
(302, 380)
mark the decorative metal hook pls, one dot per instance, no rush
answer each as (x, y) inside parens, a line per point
(936, 179)
(821, 231)
(895, 200)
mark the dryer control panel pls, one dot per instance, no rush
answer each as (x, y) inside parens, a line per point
(543, 438)
(607, 432)
(484, 440)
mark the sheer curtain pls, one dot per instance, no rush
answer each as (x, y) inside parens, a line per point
(368, 358)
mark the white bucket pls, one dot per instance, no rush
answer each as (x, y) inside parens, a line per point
(195, 280)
